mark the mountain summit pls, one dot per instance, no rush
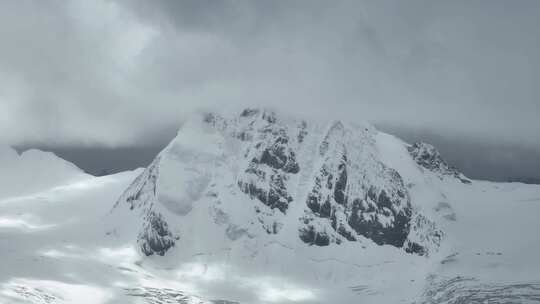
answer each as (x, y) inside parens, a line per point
(259, 175)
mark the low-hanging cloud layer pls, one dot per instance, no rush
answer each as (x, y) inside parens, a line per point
(119, 73)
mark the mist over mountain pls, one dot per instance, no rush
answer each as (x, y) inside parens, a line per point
(269, 152)
(486, 161)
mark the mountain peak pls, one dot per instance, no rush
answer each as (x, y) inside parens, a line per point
(44, 169)
(260, 175)
(428, 157)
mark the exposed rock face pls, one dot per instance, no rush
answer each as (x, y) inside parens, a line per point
(429, 158)
(142, 191)
(155, 238)
(258, 172)
(354, 195)
(272, 161)
(271, 165)
(424, 235)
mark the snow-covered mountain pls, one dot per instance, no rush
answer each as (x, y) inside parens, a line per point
(260, 207)
(34, 171)
(267, 193)
(257, 175)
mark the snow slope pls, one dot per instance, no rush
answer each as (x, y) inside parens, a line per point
(264, 208)
(54, 249)
(34, 171)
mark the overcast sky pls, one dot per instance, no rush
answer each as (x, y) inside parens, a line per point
(119, 74)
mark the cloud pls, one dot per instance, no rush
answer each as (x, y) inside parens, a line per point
(116, 73)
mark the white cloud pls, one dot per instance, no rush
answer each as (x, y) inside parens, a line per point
(117, 73)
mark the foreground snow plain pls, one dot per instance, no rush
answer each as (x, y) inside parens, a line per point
(57, 246)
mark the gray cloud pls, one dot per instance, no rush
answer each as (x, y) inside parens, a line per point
(116, 73)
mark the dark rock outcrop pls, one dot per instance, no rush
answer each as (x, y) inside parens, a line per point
(155, 238)
(429, 158)
(352, 201)
(272, 162)
(380, 214)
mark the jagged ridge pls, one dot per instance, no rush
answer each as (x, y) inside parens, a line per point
(429, 158)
